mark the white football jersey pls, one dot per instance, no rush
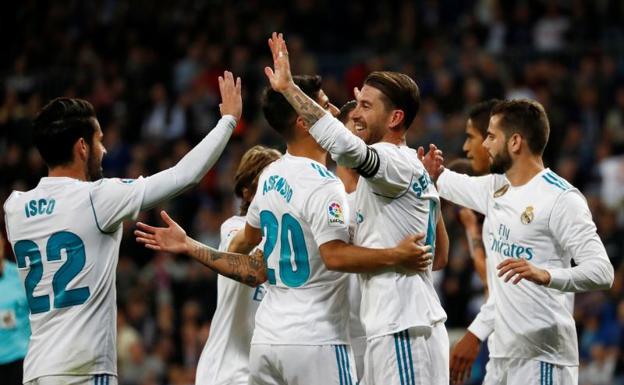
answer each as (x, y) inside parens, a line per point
(66, 235)
(225, 358)
(398, 201)
(357, 334)
(300, 205)
(547, 222)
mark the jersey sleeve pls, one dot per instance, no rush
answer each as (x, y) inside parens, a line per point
(483, 324)
(468, 191)
(229, 229)
(327, 212)
(387, 175)
(115, 200)
(572, 227)
(253, 213)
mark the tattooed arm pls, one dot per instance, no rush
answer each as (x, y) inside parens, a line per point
(247, 269)
(346, 148)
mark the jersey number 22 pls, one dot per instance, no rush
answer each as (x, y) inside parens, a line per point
(75, 250)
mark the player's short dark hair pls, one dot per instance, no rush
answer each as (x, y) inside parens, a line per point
(527, 118)
(479, 115)
(59, 125)
(249, 168)
(345, 110)
(400, 90)
(279, 113)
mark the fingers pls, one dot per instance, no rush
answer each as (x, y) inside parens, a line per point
(268, 71)
(421, 153)
(356, 92)
(167, 218)
(147, 228)
(239, 84)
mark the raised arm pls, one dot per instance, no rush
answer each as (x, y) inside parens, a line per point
(194, 165)
(346, 148)
(247, 269)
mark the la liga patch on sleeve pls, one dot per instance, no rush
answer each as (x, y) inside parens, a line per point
(335, 216)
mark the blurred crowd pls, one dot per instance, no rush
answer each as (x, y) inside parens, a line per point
(150, 69)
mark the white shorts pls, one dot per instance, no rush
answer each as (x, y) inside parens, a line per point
(416, 356)
(518, 371)
(359, 352)
(301, 365)
(97, 379)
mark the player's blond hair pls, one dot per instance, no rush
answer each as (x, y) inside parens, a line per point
(251, 165)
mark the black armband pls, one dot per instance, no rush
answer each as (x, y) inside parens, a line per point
(371, 164)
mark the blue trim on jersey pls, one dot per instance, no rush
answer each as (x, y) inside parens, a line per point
(553, 182)
(564, 182)
(96, 220)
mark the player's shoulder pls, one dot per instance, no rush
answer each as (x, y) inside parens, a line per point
(552, 184)
(231, 224)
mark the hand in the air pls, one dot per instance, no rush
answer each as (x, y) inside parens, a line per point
(231, 99)
(433, 160)
(279, 76)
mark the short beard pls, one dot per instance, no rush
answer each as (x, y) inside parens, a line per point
(94, 168)
(501, 162)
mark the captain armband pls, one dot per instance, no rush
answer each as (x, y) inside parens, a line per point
(370, 165)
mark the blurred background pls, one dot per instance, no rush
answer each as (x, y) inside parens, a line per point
(150, 69)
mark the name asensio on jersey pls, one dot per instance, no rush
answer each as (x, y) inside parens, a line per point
(279, 184)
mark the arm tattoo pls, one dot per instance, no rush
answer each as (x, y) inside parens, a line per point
(307, 108)
(247, 269)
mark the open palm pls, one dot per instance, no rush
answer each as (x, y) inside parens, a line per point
(280, 76)
(171, 238)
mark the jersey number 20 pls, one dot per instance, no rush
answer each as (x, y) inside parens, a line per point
(75, 250)
(292, 276)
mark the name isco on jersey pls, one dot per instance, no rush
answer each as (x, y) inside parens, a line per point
(279, 184)
(511, 249)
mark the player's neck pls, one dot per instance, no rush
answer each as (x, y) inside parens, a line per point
(523, 170)
(72, 170)
(395, 138)
(307, 148)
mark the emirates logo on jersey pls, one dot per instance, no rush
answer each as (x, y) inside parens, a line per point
(527, 216)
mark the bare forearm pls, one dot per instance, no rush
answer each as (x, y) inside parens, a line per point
(340, 256)
(247, 269)
(307, 108)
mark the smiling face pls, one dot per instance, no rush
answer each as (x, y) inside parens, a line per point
(371, 116)
(475, 152)
(495, 144)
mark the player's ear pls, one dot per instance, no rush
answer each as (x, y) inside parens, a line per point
(300, 124)
(247, 194)
(396, 118)
(81, 149)
(515, 143)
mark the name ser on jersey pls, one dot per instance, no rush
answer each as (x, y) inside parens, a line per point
(278, 184)
(500, 244)
(39, 207)
(421, 184)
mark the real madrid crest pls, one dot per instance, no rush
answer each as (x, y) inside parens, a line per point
(501, 191)
(527, 216)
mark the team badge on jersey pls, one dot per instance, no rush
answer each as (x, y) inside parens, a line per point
(501, 191)
(527, 216)
(336, 217)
